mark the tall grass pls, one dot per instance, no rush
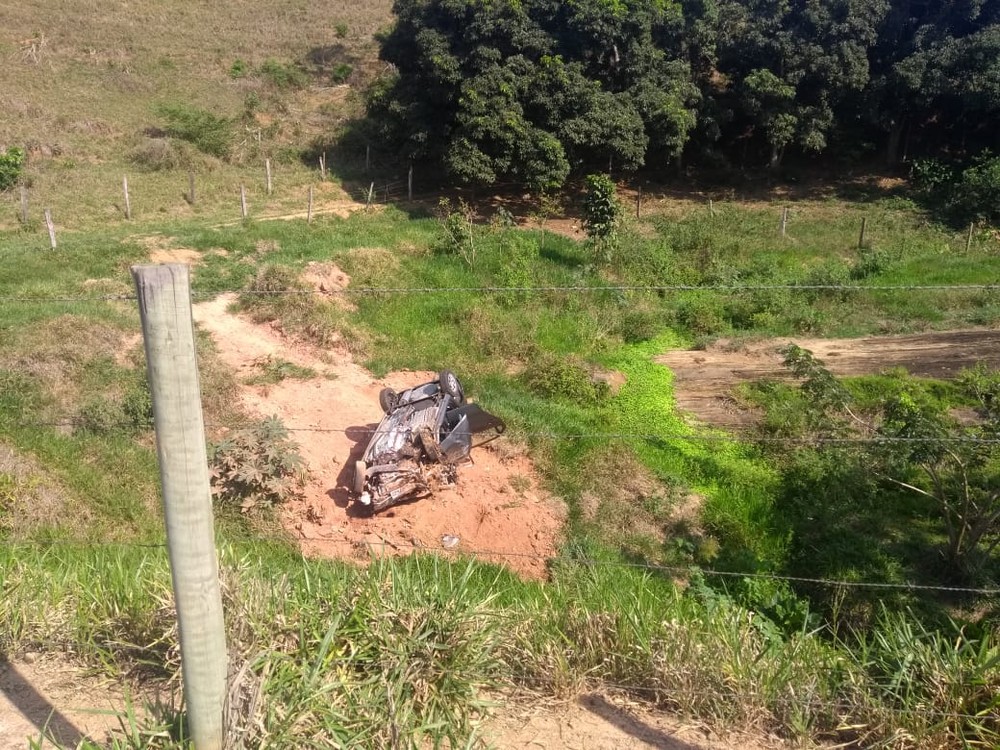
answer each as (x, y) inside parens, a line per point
(409, 651)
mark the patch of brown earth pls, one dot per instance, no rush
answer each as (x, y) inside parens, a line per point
(335, 413)
(163, 250)
(599, 722)
(704, 380)
(43, 697)
(328, 280)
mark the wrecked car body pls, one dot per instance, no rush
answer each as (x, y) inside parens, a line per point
(426, 432)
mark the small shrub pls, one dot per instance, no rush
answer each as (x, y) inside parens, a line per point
(275, 369)
(517, 267)
(602, 214)
(283, 75)
(872, 261)
(976, 195)
(458, 231)
(161, 154)
(640, 324)
(208, 132)
(255, 466)
(341, 72)
(239, 69)
(340, 29)
(564, 377)
(100, 416)
(701, 315)
(11, 164)
(277, 294)
(137, 407)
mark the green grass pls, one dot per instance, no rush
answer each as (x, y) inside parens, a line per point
(409, 647)
(697, 652)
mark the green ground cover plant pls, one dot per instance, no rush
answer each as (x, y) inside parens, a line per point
(539, 363)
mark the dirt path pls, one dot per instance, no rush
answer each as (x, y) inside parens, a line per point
(47, 696)
(704, 380)
(599, 722)
(482, 509)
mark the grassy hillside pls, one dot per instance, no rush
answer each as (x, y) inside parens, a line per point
(84, 83)
(90, 89)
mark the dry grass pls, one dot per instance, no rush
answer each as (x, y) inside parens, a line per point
(81, 82)
(30, 500)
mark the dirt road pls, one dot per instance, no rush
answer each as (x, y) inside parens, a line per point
(704, 380)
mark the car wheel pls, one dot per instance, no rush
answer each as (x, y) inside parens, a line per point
(360, 469)
(448, 383)
(387, 399)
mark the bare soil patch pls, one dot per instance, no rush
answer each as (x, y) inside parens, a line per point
(52, 697)
(163, 250)
(704, 380)
(337, 410)
(599, 722)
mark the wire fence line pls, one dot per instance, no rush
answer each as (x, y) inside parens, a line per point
(573, 288)
(561, 559)
(744, 437)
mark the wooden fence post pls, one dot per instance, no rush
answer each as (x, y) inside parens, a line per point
(164, 297)
(371, 195)
(784, 220)
(51, 227)
(322, 166)
(191, 188)
(864, 229)
(243, 201)
(128, 203)
(711, 208)
(368, 158)
(24, 204)
(968, 240)
(267, 174)
(409, 184)
(309, 211)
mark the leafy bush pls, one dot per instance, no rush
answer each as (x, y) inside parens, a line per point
(11, 164)
(341, 72)
(872, 261)
(701, 315)
(209, 132)
(258, 465)
(283, 75)
(239, 69)
(517, 267)
(976, 195)
(564, 377)
(602, 214)
(458, 237)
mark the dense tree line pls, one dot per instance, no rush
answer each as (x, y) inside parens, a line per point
(534, 90)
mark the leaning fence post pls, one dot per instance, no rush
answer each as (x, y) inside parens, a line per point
(51, 227)
(128, 203)
(164, 297)
(322, 166)
(371, 194)
(864, 228)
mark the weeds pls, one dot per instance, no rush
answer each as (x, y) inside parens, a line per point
(257, 465)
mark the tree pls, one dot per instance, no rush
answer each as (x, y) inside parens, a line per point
(917, 446)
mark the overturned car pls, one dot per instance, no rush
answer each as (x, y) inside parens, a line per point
(426, 431)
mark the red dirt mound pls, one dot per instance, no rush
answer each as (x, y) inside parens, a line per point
(494, 507)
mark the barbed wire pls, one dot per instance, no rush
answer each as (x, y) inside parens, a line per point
(544, 289)
(748, 439)
(555, 560)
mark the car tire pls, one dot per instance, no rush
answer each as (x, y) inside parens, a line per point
(448, 383)
(360, 469)
(387, 399)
